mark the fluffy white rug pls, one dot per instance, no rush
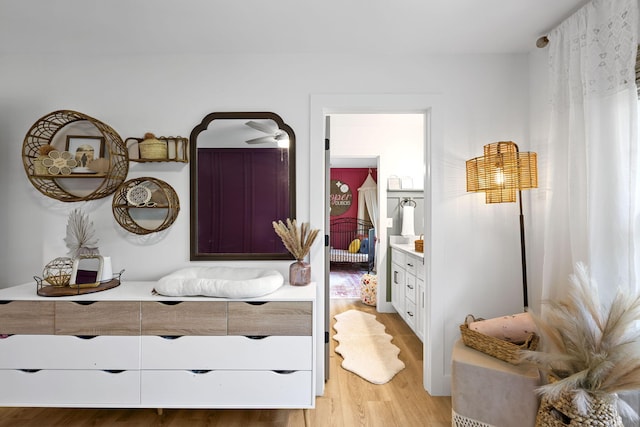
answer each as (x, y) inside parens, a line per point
(365, 347)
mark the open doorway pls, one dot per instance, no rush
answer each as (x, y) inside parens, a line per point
(381, 145)
(353, 212)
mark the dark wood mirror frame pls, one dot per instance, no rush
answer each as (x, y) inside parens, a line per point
(281, 253)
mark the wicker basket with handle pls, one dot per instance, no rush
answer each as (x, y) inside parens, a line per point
(500, 349)
(419, 244)
(152, 148)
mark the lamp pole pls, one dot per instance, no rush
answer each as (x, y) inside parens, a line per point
(524, 256)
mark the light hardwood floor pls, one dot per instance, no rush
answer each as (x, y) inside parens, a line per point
(348, 401)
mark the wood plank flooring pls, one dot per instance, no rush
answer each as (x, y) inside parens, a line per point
(348, 401)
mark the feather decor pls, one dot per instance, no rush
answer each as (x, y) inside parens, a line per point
(81, 239)
(297, 241)
(589, 349)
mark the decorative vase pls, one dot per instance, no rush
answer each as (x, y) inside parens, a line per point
(299, 273)
(562, 412)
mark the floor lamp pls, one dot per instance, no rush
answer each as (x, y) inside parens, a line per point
(501, 172)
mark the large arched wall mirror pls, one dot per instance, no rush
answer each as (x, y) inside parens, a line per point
(242, 172)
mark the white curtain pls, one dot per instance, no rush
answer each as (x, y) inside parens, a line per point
(368, 199)
(592, 168)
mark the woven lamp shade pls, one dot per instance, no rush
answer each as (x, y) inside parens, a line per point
(502, 171)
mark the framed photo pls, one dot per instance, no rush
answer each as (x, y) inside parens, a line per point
(85, 149)
(393, 183)
(407, 183)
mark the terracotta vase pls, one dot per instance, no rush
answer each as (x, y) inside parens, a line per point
(299, 273)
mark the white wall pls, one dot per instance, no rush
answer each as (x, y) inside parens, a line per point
(475, 265)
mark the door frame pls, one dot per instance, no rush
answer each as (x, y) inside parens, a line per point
(434, 377)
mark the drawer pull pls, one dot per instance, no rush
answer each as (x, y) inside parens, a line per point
(86, 337)
(410, 287)
(201, 371)
(255, 302)
(4, 301)
(84, 302)
(410, 313)
(409, 264)
(256, 337)
(170, 302)
(170, 337)
(114, 371)
(30, 371)
(283, 372)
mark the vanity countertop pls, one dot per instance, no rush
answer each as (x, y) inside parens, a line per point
(408, 248)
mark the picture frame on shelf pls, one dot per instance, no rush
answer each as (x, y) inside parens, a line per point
(85, 149)
(406, 183)
(393, 183)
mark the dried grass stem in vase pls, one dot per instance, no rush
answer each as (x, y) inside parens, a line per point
(298, 242)
(591, 352)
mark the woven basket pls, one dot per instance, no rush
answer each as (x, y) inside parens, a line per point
(419, 244)
(561, 412)
(495, 347)
(153, 149)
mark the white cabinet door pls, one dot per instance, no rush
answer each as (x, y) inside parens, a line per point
(397, 287)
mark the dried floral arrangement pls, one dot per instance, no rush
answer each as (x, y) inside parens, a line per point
(590, 350)
(297, 241)
(81, 239)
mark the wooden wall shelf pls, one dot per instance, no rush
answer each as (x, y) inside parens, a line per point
(44, 131)
(177, 149)
(129, 210)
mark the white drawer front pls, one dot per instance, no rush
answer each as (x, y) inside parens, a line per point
(398, 256)
(410, 288)
(69, 388)
(230, 389)
(228, 352)
(69, 352)
(411, 264)
(410, 314)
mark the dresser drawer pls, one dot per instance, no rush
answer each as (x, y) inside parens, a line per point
(184, 318)
(410, 314)
(270, 318)
(69, 352)
(411, 264)
(97, 318)
(218, 389)
(410, 288)
(398, 257)
(26, 317)
(69, 388)
(229, 352)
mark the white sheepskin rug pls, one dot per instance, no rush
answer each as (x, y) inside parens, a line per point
(365, 347)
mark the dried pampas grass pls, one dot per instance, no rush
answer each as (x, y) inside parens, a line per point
(298, 242)
(589, 349)
(81, 239)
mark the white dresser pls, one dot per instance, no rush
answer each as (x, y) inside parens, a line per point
(407, 285)
(128, 348)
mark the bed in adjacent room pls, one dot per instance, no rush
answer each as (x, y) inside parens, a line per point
(352, 242)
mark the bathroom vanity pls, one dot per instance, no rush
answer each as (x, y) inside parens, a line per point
(127, 347)
(407, 284)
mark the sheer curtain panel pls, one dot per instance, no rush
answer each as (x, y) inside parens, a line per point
(592, 204)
